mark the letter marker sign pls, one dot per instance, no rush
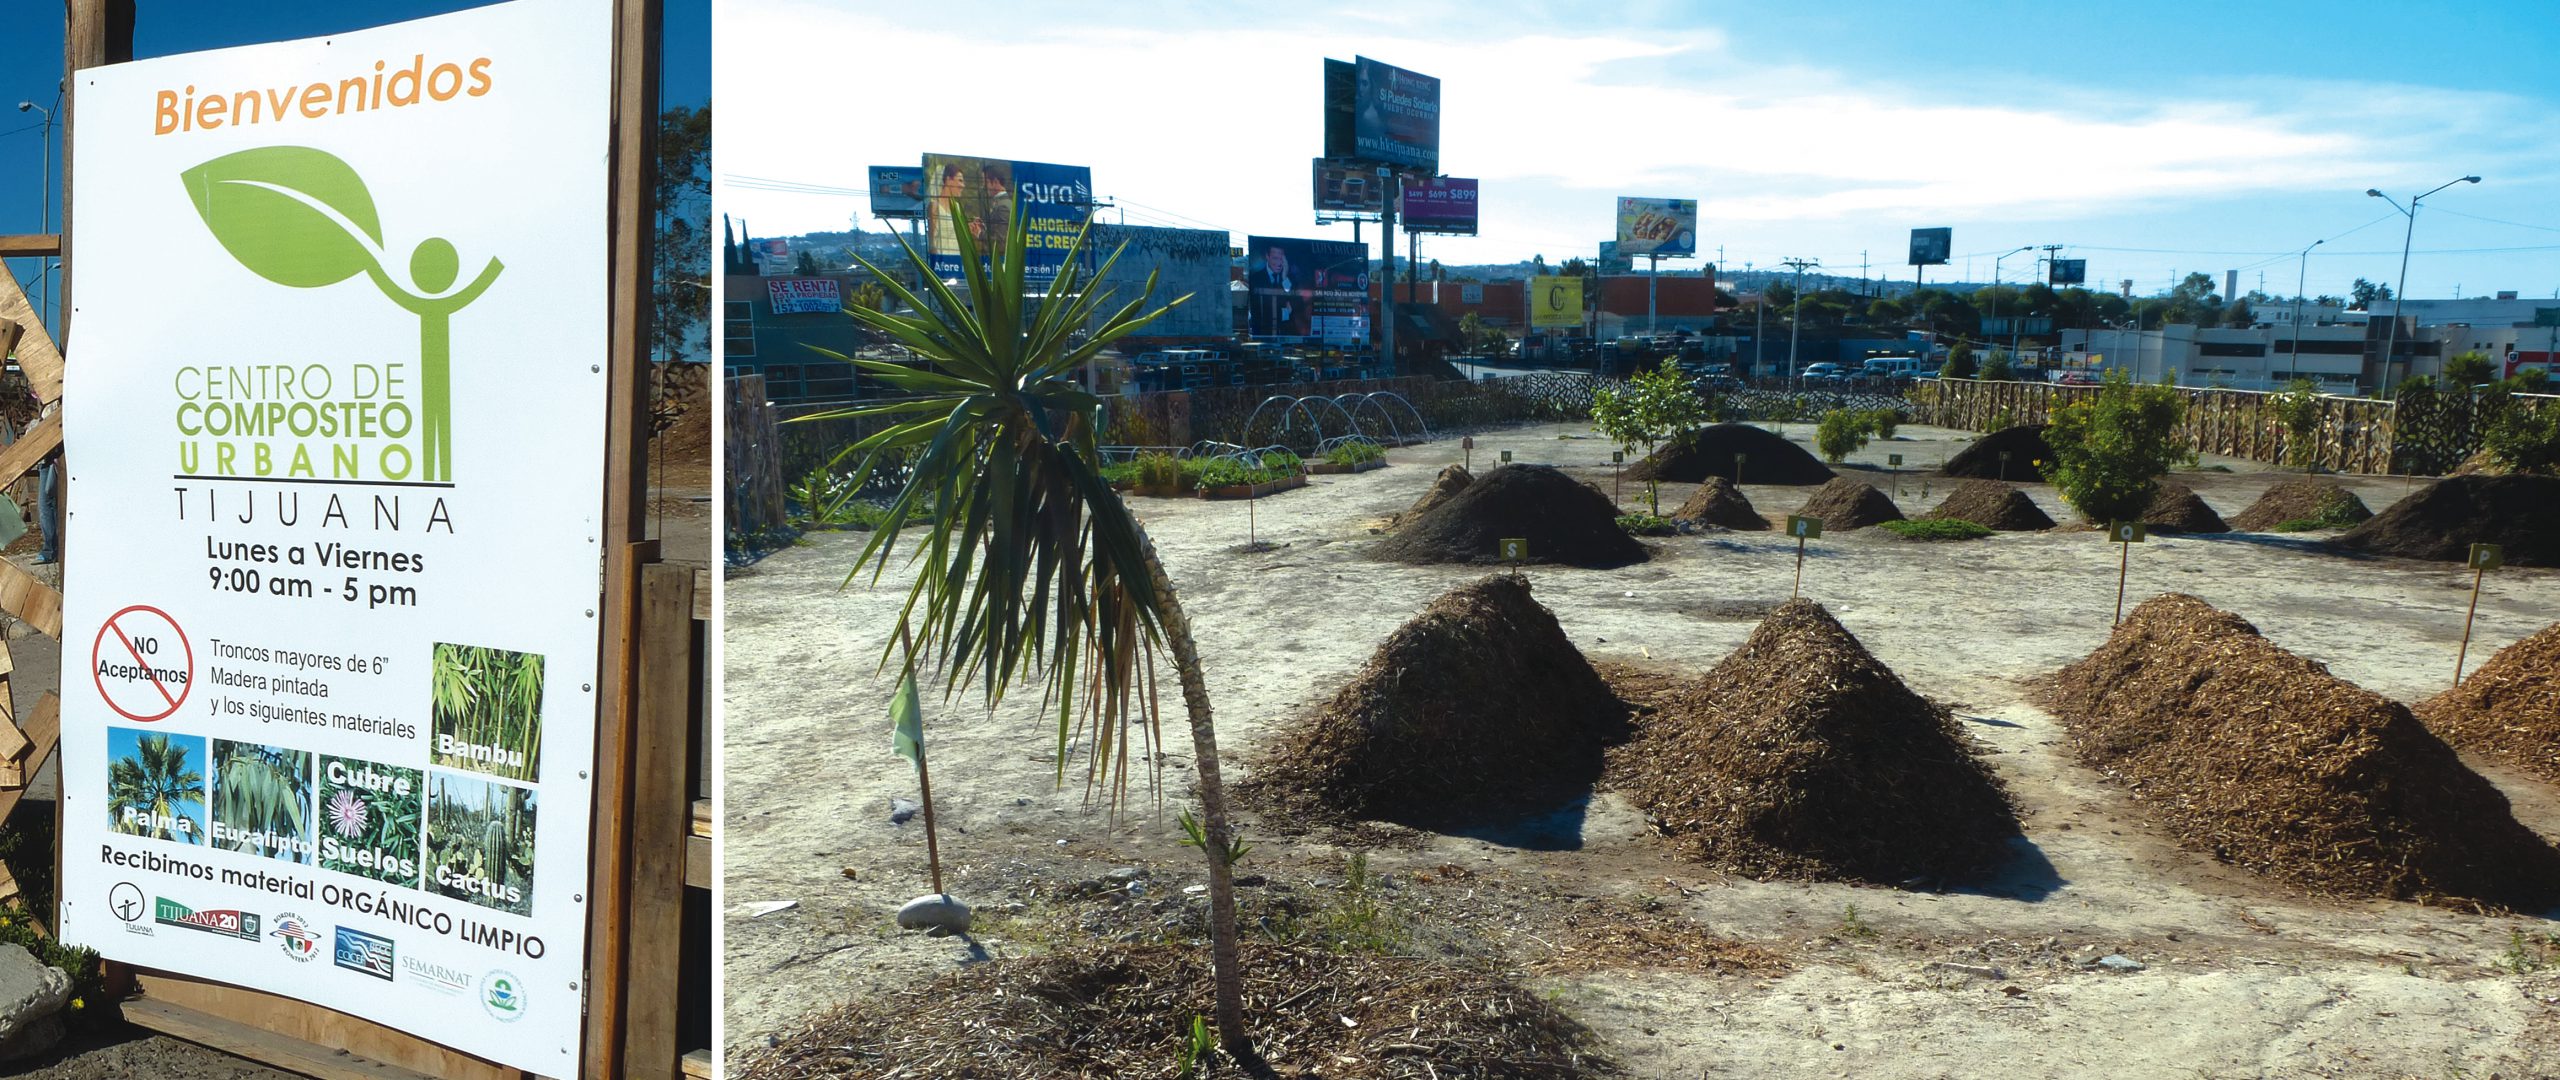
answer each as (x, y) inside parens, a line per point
(2125, 534)
(342, 480)
(1803, 529)
(2484, 558)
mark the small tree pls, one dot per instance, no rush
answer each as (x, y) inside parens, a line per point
(2532, 380)
(2298, 410)
(2468, 368)
(2526, 439)
(1995, 368)
(1653, 406)
(1883, 421)
(1959, 362)
(1840, 434)
(2109, 451)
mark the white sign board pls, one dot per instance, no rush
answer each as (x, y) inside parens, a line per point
(339, 487)
(803, 296)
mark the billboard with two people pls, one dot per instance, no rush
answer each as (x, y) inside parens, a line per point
(1053, 199)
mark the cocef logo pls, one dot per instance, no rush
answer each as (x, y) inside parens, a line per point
(371, 954)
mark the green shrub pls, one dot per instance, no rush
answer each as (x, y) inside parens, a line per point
(1121, 472)
(1882, 422)
(1354, 452)
(2469, 368)
(1959, 362)
(2001, 421)
(1159, 471)
(1224, 472)
(2298, 410)
(1995, 368)
(2525, 440)
(2532, 380)
(1936, 529)
(1840, 434)
(1647, 525)
(2111, 450)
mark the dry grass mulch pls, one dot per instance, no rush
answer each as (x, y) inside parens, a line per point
(1992, 505)
(2303, 499)
(2260, 758)
(1845, 504)
(1801, 756)
(2509, 708)
(1127, 1011)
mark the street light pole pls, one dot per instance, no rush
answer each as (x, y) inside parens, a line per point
(2400, 299)
(44, 212)
(1795, 317)
(1995, 291)
(2294, 365)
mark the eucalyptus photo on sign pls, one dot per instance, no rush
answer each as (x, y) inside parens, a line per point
(488, 710)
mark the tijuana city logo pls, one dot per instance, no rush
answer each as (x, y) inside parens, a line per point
(224, 922)
(371, 954)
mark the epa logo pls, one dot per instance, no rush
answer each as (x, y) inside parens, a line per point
(503, 995)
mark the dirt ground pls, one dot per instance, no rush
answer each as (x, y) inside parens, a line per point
(2239, 977)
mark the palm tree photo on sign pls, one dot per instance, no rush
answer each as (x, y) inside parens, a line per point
(262, 800)
(154, 787)
(488, 710)
(1028, 561)
(480, 841)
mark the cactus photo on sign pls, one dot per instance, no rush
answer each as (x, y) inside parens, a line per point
(480, 841)
(488, 710)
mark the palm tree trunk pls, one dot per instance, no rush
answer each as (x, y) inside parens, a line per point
(1223, 960)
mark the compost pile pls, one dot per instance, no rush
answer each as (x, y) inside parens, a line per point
(1981, 460)
(1992, 505)
(2509, 708)
(1845, 504)
(1801, 756)
(2176, 508)
(1767, 458)
(1564, 520)
(1125, 1010)
(2261, 758)
(1478, 707)
(2443, 519)
(1452, 480)
(1717, 502)
(2302, 498)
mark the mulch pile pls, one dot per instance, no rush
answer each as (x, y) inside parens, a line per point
(1992, 505)
(2510, 707)
(1478, 707)
(1564, 520)
(1718, 502)
(2261, 758)
(1452, 480)
(1981, 460)
(1801, 756)
(2443, 519)
(2302, 498)
(1767, 458)
(1126, 1010)
(1845, 504)
(2178, 509)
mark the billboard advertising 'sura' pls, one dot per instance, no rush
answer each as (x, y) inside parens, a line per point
(1053, 199)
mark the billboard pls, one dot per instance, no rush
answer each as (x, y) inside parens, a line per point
(334, 736)
(1929, 247)
(1555, 301)
(2070, 271)
(1663, 228)
(771, 256)
(1381, 113)
(1191, 262)
(1442, 204)
(1344, 187)
(1055, 199)
(803, 295)
(897, 191)
(1307, 288)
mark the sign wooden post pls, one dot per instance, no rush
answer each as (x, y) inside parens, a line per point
(1515, 550)
(1467, 452)
(2004, 466)
(1738, 459)
(2125, 534)
(1506, 457)
(1617, 469)
(1894, 462)
(2484, 558)
(1803, 529)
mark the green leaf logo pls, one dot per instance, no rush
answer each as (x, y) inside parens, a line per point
(291, 214)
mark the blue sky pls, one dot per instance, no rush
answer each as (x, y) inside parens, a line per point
(31, 68)
(2151, 142)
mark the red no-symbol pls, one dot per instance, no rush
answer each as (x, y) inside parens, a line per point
(141, 634)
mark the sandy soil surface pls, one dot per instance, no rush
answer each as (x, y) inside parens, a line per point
(2239, 977)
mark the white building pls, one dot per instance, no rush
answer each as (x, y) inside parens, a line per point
(2340, 350)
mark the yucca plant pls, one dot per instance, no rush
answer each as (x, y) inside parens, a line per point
(1032, 566)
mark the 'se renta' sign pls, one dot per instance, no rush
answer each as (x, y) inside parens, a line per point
(336, 454)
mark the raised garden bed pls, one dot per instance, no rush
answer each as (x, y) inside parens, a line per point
(1254, 491)
(1329, 468)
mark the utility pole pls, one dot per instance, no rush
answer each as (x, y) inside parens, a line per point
(2294, 364)
(1387, 288)
(1795, 320)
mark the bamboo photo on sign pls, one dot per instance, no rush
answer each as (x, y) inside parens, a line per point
(488, 710)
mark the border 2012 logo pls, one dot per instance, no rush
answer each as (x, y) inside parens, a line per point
(296, 937)
(502, 994)
(371, 954)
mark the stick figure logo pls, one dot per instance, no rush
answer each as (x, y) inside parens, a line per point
(125, 901)
(302, 218)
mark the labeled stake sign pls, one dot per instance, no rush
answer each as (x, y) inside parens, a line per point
(1515, 550)
(2483, 558)
(343, 480)
(1506, 457)
(2125, 534)
(1467, 452)
(1803, 529)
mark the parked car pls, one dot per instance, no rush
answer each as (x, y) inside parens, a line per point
(1823, 371)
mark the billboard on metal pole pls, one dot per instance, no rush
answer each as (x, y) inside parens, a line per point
(1055, 200)
(1929, 247)
(1346, 187)
(1382, 113)
(1555, 300)
(1307, 288)
(2070, 271)
(1442, 204)
(334, 720)
(897, 191)
(1662, 228)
